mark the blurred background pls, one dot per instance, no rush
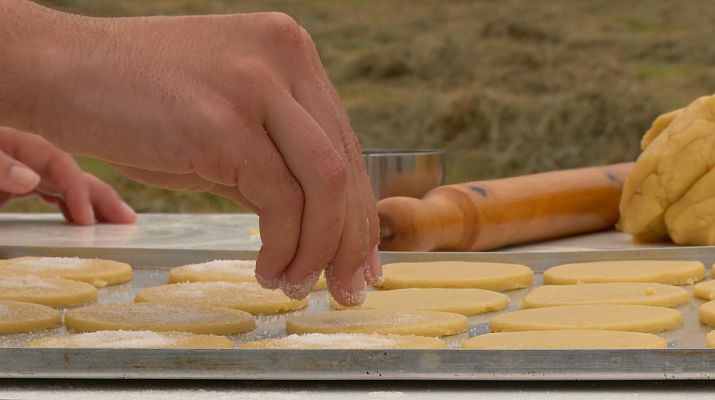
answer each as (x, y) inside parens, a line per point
(505, 87)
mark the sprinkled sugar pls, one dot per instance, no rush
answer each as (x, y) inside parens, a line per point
(28, 282)
(118, 340)
(238, 267)
(45, 263)
(339, 341)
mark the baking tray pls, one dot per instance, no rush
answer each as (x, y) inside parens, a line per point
(686, 357)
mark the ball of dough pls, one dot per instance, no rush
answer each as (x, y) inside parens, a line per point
(249, 297)
(134, 340)
(99, 273)
(17, 316)
(671, 190)
(347, 341)
(48, 291)
(224, 271)
(159, 317)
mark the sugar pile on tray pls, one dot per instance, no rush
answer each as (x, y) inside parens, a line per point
(114, 340)
(238, 267)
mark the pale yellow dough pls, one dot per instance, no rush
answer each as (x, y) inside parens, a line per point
(615, 317)
(48, 291)
(460, 301)
(647, 294)
(573, 339)
(710, 338)
(457, 274)
(705, 290)
(657, 271)
(249, 297)
(134, 340)
(347, 341)
(223, 270)
(17, 316)
(159, 317)
(421, 323)
(97, 272)
(707, 313)
(671, 190)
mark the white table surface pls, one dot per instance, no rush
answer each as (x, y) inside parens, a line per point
(240, 232)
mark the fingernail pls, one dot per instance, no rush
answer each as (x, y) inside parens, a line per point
(355, 293)
(24, 177)
(373, 270)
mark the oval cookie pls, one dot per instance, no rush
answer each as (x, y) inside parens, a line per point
(657, 271)
(159, 317)
(456, 274)
(707, 313)
(421, 323)
(249, 297)
(460, 301)
(347, 341)
(17, 316)
(96, 272)
(573, 339)
(705, 290)
(616, 317)
(48, 291)
(223, 271)
(134, 340)
(649, 294)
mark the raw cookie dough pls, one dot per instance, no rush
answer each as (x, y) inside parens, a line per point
(347, 341)
(705, 290)
(671, 190)
(244, 296)
(456, 274)
(658, 271)
(613, 317)
(48, 291)
(574, 339)
(99, 273)
(223, 270)
(460, 301)
(17, 316)
(707, 313)
(647, 294)
(422, 323)
(134, 340)
(710, 338)
(159, 317)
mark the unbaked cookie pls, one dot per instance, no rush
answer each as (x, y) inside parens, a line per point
(422, 323)
(648, 294)
(456, 274)
(134, 340)
(707, 313)
(249, 297)
(159, 317)
(347, 341)
(223, 270)
(616, 317)
(710, 339)
(705, 290)
(573, 339)
(460, 301)
(17, 316)
(660, 271)
(97, 272)
(48, 291)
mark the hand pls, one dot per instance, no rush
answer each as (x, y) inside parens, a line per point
(236, 105)
(31, 165)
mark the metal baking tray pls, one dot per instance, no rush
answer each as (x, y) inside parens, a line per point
(686, 357)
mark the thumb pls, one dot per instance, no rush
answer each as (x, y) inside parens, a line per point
(15, 177)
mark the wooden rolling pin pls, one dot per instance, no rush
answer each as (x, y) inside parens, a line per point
(489, 214)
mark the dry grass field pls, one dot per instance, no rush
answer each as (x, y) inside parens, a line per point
(505, 87)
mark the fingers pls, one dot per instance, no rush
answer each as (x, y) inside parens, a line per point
(15, 177)
(107, 205)
(321, 172)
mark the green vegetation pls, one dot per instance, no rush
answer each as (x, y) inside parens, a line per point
(507, 87)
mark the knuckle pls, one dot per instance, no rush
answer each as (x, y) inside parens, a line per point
(333, 171)
(285, 31)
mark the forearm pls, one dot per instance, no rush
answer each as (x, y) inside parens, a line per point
(34, 54)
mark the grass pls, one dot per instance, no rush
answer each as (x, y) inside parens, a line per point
(506, 88)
